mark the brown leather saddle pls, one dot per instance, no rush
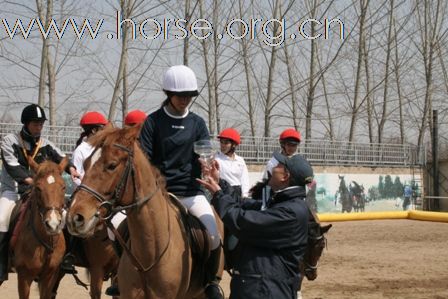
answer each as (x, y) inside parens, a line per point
(17, 221)
(198, 238)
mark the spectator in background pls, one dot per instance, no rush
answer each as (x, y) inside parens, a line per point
(134, 117)
(407, 194)
(289, 142)
(91, 122)
(232, 168)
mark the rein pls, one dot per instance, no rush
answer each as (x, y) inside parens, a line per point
(116, 196)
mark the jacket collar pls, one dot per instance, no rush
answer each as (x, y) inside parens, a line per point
(26, 136)
(288, 194)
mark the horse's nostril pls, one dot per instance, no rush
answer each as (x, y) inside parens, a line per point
(78, 219)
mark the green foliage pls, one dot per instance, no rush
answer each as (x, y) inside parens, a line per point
(381, 187)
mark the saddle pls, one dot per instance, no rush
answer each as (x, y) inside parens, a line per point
(198, 238)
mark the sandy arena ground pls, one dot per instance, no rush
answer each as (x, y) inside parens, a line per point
(393, 259)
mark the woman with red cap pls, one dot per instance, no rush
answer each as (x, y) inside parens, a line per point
(91, 122)
(232, 167)
(134, 117)
(289, 142)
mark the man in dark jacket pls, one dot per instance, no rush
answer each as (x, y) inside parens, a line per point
(273, 240)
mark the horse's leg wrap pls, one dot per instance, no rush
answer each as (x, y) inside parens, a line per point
(3, 256)
(212, 290)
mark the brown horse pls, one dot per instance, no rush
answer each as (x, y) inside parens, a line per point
(40, 246)
(97, 255)
(316, 244)
(159, 264)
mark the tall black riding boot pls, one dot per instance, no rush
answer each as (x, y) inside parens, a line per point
(113, 290)
(4, 242)
(68, 262)
(212, 289)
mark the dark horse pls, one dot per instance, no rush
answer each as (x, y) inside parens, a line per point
(98, 256)
(158, 260)
(344, 196)
(357, 196)
(39, 246)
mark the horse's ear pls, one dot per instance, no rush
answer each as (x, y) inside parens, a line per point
(133, 132)
(33, 165)
(63, 164)
(100, 136)
(109, 125)
(324, 229)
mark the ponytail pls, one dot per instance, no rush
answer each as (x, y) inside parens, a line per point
(88, 131)
(81, 137)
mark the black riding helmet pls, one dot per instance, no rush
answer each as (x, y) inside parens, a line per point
(33, 112)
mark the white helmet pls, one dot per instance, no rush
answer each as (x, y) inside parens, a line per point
(181, 80)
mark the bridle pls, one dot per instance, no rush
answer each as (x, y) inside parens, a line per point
(320, 241)
(117, 194)
(42, 210)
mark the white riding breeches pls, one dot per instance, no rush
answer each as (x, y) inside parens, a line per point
(8, 201)
(201, 208)
(116, 220)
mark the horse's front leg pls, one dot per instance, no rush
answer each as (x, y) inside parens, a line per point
(56, 285)
(24, 284)
(96, 282)
(47, 281)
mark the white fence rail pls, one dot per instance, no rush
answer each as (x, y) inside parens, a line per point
(257, 150)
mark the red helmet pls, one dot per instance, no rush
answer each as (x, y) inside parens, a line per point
(290, 135)
(93, 118)
(230, 134)
(134, 117)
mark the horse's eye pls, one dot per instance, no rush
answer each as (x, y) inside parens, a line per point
(111, 166)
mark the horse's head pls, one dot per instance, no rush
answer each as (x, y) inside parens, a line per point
(109, 180)
(48, 193)
(314, 249)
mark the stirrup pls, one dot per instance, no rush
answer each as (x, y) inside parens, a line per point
(67, 264)
(214, 291)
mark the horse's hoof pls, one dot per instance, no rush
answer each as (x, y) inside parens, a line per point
(113, 291)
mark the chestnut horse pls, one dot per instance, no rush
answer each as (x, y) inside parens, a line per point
(120, 177)
(40, 246)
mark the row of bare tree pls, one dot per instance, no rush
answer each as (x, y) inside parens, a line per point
(377, 77)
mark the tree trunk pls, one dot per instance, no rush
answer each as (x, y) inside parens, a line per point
(386, 74)
(364, 4)
(126, 7)
(269, 98)
(44, 54)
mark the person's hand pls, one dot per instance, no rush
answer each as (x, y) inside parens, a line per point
(210, 175)
(28, 181)
(74, 174)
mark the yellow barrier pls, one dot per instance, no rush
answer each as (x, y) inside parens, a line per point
(415, 215)
(428, 216)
